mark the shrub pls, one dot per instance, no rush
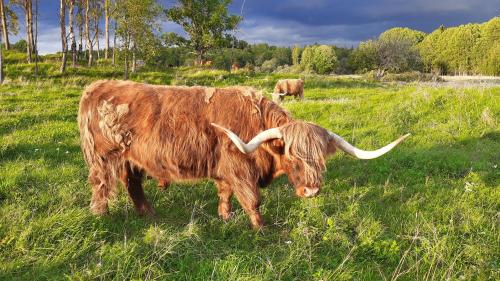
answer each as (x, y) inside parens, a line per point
(20, 46)
(364, 58)
(306, 61)
(324, 59)
(14, 56)
(398, 55)
(269, 65)
(293, 69)
(411, 76)
(283, 56)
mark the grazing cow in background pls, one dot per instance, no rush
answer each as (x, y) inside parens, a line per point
(235, 67)
(288, 87)
(235, 136)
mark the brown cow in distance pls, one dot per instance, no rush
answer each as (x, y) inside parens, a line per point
(174, 134)
(235, 67)
(288, 87)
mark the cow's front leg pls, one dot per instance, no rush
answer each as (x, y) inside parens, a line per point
(225, 193)
(249, 198)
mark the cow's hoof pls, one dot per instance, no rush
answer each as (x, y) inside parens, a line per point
(257, 222)
(226, 216)
(258, 227)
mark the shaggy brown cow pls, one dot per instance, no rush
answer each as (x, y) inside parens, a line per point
(179, 133)
(288, 87)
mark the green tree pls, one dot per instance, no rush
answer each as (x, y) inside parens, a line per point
(282, 55)
(171, 39)
(296, 51)
(462, 49)
(397, 49)
(343, 54)
(20, 45)
(137, 27)
(402, 34)
(430, 51)
(487, 48)
(324, 59)
(491, 63)
(261, 53)
(307, 60)
(364, 58)
(206, 22)
(398, 55)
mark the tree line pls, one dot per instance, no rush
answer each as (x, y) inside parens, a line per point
(465, 49)
(134, 26)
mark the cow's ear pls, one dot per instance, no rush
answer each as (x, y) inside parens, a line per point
(277, 146)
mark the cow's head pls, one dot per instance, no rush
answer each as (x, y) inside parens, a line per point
(302, 148)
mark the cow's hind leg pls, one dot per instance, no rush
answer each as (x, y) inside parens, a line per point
(103, 182)
(300, 95)
(132, 180)
(225, 193)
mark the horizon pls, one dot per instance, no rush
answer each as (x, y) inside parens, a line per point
(319, 21)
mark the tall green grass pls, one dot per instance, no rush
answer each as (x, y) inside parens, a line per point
(426, 211)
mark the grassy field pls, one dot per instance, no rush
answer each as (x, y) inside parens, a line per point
(429, 210)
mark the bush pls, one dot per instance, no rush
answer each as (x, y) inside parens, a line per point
(411, 76)
(283, 56)
(14, 56)
(364, 58)
(306, 61)
(320, 59)
(20, 46)
(269, 65)
(398, 55)
(324, 59)
(293, 69)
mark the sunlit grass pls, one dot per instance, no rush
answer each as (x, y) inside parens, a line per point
(426, 211)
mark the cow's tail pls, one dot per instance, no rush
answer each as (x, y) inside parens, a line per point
(103, 169)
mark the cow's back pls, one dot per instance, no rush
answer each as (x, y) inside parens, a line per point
(166, 129)
(290, 86)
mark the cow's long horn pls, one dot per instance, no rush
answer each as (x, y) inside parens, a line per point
(363, 154)
(252, 145)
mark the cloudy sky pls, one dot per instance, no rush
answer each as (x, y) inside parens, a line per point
(289, 22)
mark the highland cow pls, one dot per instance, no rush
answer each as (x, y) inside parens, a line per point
(235, 136)
(288, 87)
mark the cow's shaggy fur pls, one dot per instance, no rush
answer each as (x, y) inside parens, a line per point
(129, 129)
(288, 87)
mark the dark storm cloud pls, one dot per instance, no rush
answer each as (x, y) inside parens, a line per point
(348, 22)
